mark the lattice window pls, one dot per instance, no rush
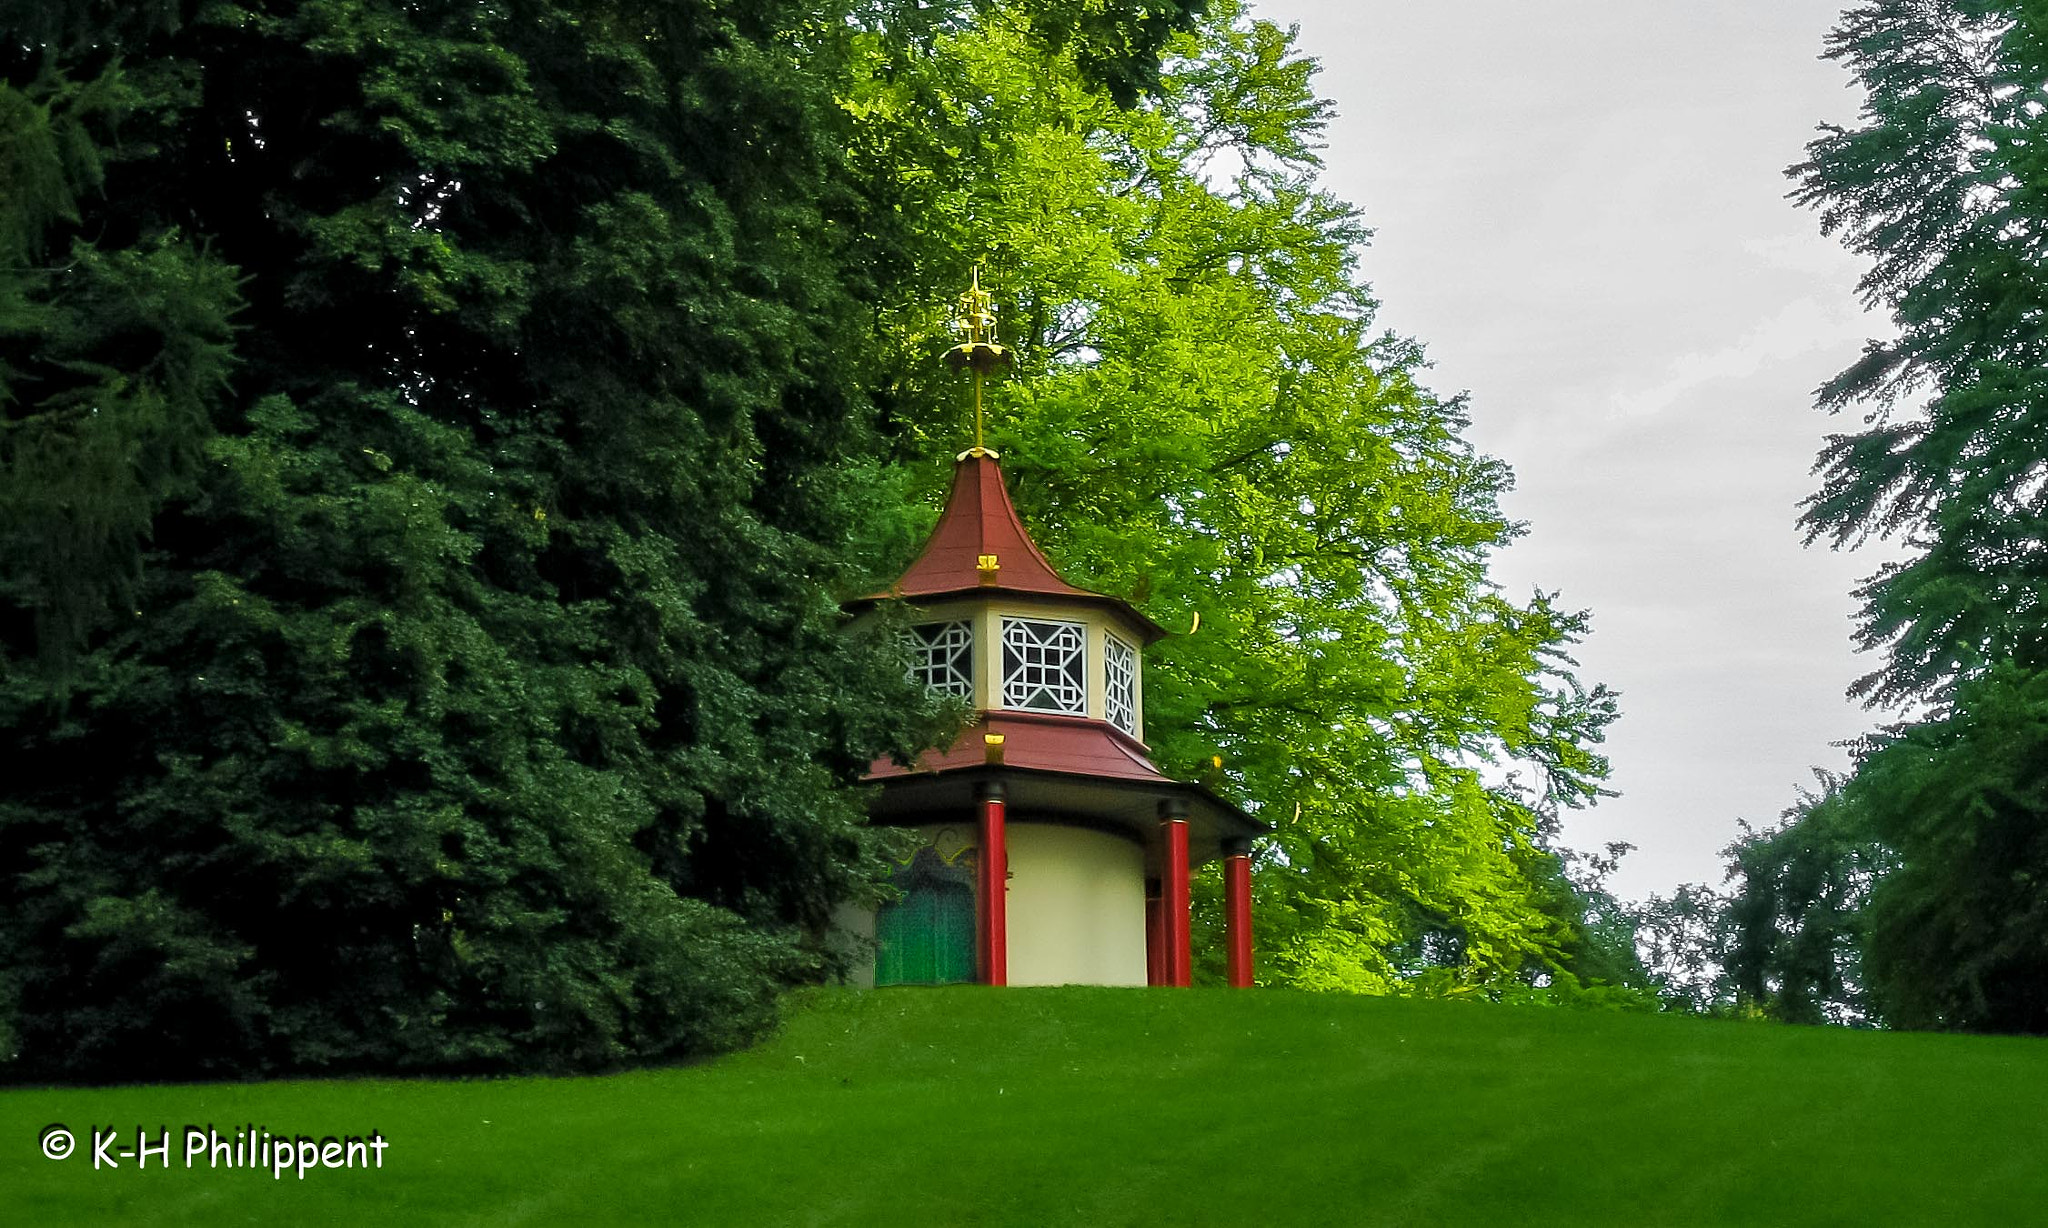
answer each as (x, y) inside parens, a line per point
(942, 657)
(1120, 696)
(1042, 666)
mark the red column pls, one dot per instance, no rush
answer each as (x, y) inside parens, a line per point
(992, 934)
(1173, 831)
(1155, 936)
(1237, 912)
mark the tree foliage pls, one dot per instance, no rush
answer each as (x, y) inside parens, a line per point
(1794, 917)
(1943, 186)
(1905, 894)
(1682, 939)
(1206, 421)
(425, 443)
(1958, 929)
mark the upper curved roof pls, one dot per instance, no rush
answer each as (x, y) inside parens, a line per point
(980, 520)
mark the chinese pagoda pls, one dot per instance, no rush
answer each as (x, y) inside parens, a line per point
(1051, 850)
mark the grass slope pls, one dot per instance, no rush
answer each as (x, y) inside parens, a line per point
(1079, 1106)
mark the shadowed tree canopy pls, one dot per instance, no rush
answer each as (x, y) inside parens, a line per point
(1914, 890)
(1795, 916)
(429, 437)
(1941, 186)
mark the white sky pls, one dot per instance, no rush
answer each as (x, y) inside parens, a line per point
(1580, 212)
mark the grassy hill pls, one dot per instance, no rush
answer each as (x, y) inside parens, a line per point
(1076, 1106)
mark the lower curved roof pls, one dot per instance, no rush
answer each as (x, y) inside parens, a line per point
(1063, 765)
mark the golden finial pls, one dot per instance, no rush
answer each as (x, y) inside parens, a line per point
(979, 352)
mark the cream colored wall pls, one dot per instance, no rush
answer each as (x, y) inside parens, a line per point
(1077, 907)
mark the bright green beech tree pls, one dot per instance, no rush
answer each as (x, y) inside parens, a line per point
(1206, 420)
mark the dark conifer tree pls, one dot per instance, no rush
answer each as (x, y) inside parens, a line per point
(424, 450)
(1942, 184)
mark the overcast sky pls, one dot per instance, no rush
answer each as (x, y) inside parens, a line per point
(1579, 210)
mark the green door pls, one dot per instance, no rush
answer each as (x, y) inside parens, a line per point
(927, 937)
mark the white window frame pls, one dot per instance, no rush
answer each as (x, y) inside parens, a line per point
(1072, 664)
(936, 661)
(1120, 692)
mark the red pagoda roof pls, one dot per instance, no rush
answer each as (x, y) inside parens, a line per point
(1059, 764)
(980, 521)
(1042, 741)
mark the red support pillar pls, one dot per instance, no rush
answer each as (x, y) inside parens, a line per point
(1237, 911)
(1155, 935)
(1173, 846)
(992, 937)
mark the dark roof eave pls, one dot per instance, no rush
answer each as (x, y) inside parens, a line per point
(1231, 815)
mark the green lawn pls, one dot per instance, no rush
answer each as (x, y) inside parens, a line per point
(1074, 1106)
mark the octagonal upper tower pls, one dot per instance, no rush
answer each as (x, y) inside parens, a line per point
(1055, 665)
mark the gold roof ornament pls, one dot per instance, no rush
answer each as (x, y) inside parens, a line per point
(978, 352)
